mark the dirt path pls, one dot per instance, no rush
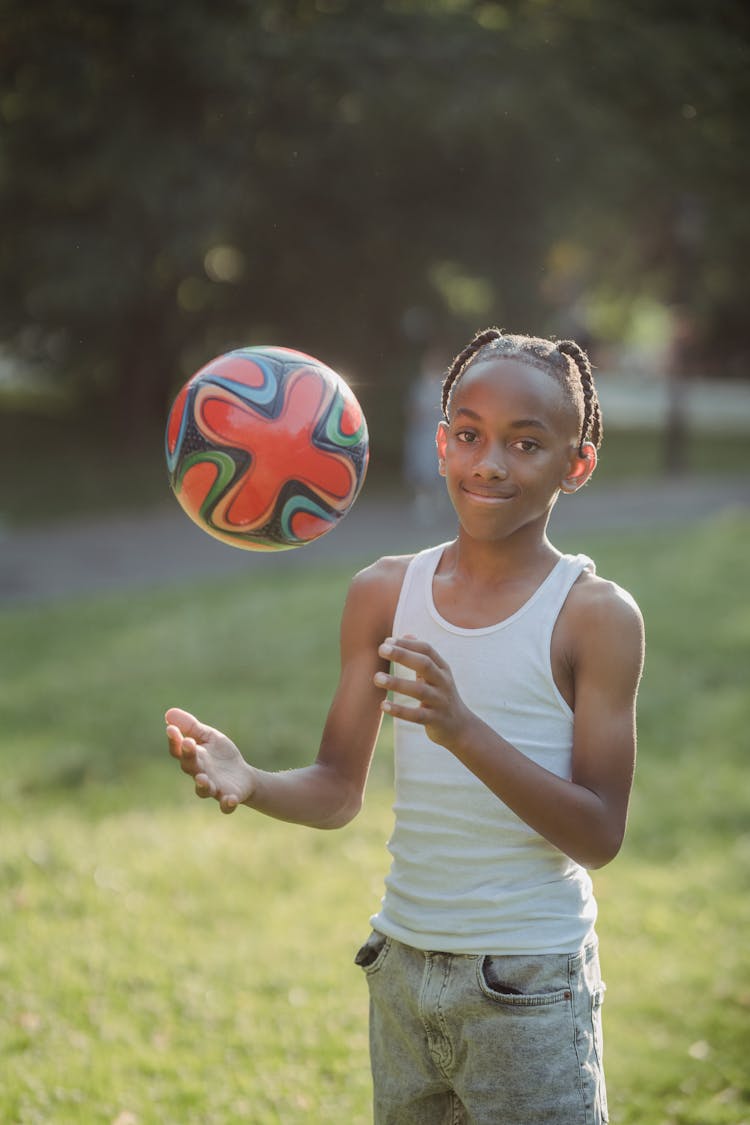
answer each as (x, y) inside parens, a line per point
(162, 547)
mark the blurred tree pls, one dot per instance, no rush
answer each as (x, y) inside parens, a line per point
(663, 86)
(179, 179)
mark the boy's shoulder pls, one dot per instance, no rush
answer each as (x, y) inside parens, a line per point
(599, 608)
(373, 595)
(383, 576)
(594, 595)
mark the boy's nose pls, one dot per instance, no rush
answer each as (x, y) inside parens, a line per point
(491, 463)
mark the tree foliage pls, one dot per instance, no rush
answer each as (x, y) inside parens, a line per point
(352, 177)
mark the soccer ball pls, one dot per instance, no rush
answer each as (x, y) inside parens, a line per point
(267, 448)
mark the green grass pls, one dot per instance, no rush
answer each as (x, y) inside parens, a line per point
(164, 965)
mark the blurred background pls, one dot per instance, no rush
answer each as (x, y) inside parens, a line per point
(370, 183)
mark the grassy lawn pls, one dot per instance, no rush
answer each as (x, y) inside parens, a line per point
(164, 965)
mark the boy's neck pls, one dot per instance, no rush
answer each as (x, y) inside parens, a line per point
(522, 555)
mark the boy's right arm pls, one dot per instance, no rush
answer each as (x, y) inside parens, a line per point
(328, 793)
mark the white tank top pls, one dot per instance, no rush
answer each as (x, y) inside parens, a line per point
(467, 875)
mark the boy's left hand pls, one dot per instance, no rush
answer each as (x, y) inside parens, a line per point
(439, 708)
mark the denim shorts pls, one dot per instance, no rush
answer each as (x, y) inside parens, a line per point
(482, 1039)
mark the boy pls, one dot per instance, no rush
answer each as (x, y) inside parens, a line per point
(511, 672)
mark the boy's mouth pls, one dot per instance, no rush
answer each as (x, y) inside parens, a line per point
(487, 495)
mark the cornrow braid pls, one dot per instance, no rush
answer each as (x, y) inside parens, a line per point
(462, 360)
(591, 429)
(565, 360)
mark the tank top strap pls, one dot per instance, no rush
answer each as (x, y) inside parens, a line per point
(558, 584)
(421, 565)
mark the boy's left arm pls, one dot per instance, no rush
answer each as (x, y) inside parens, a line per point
(608, 664)
(585, 816)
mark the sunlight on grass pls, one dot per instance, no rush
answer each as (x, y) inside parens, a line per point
(164, 964)
(186, 967)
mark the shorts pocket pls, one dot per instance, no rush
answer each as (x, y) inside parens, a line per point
(506, 988)
(373, 953)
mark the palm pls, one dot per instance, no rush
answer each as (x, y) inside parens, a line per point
(221, 762)
(212, 759)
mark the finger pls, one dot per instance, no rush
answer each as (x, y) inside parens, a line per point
(204, 787)
(189, 756)
(174, 741)
(409, 643)
(419, 715)
(228, 804)
(413, 644)
(415, 689)
(424, 661)
(187, 724)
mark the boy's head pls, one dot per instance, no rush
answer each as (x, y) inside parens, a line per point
(563, 360)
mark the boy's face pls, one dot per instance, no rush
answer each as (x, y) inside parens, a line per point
(510, 445)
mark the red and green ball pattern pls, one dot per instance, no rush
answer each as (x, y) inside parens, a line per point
(267, 448)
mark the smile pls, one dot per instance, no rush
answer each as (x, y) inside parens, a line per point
(487, 496)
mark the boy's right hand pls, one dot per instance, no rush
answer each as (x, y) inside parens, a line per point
(211, 759)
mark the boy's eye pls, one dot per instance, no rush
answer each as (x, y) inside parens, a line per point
(466, 436)
(527, 445)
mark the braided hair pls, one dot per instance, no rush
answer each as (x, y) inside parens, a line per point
(564, 359)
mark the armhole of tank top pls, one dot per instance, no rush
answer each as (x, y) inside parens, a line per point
(570, 583)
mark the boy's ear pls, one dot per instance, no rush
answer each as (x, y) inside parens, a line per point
(441, 439)
(582, 465)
